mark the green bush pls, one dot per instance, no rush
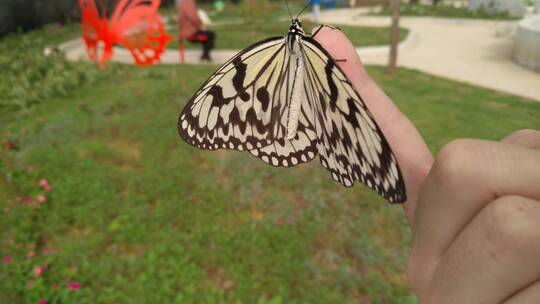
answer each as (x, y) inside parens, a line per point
(28, 76)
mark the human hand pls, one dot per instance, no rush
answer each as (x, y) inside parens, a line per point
(474, 217)
(476, 228)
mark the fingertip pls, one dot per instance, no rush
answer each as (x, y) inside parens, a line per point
(343, 51)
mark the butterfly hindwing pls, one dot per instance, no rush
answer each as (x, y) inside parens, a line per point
(302, 148)
(350, 144)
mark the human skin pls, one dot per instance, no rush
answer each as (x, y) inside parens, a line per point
(474, 210)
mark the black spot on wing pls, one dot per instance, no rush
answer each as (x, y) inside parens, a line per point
(238, 79)
(217, 96)
(329, 69)
(263, 97)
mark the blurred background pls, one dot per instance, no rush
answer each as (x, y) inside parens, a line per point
(101, 202)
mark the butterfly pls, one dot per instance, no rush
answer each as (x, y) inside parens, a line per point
(134, 25)
(285, 100)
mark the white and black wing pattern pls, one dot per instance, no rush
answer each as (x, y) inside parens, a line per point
(350, 144)
(241, 107)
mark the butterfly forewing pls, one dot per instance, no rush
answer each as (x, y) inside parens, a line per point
(350, 144)
(234, 108)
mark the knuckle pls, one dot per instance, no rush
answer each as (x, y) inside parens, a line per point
(524, 133)
(526, 137)
(511, 224)
(454, 163)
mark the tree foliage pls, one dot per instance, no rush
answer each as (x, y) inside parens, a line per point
(30, 14)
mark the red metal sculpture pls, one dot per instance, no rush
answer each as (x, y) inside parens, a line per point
(135, 25)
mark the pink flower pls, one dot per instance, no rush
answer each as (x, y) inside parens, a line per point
(74, 286)
(43, 182)
(38, 270)
(279, 221)
(41, 199)
(31, 254)
(42, 301)
(26, 199)
(8, 259)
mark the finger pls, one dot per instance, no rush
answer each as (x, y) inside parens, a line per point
(530, 294)
(466, 176)
(495, 256)
(527, 138)
(413, 156)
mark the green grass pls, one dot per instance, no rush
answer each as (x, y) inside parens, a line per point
(238, 26)
(263, 10)
(241, 35)
(138, 216)
(446, 11)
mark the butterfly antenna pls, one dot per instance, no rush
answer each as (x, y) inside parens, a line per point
(288, 9)
(309, 2)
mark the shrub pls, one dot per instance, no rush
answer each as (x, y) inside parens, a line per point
(28, 76)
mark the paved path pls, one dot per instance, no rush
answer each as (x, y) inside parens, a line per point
(473, 51)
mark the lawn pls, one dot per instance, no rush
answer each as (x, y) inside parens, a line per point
(239, 26)
(241, 35)
(446, 11)
(135, 215)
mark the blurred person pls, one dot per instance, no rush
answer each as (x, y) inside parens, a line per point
(193, 28)
(316, 8)
(474, 209)
(219, 6)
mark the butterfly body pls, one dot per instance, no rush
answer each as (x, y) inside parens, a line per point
(294, 43)
(285, 100)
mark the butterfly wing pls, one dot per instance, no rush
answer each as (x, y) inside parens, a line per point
(137, 26)
(302, 148)
(241, 107)
(91, 26)
(350, 144)
(96, 30)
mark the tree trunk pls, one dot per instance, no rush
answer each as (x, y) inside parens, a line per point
(413, 2)
(394, 39)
